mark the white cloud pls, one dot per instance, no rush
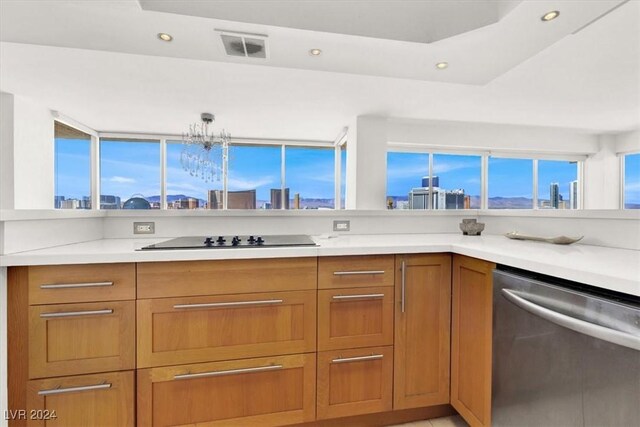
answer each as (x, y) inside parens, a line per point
(122, 180)
(240, 183)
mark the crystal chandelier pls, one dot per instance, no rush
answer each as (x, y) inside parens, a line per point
(204, 153)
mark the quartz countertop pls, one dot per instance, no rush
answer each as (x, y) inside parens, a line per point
(607, 268)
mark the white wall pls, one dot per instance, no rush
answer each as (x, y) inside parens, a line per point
(602, 176)
(26, 146)
(628, 142)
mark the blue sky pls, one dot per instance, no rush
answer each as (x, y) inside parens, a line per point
(632, 178)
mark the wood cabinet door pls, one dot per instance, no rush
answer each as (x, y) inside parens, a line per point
(174, 331)
(250, 392)
(472, 339)
(86, 400)
(354, 382)
(422, 330)
(69, 339)
(355, 271)
(351, 318)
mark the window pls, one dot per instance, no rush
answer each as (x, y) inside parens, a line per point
(558, 186)
(129, 174)
(510, 183)
(407, 180)
(632, 181)
(456, 181)
(72, 168)
(185, 191)
(309, 178)
(254, 180)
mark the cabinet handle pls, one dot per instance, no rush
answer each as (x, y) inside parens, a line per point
(49, 392)
(357, 359)
(75, 285)
(362, 296)
(402, 287)
(76, 313)
(228, 304)
(227, 372)
(354, 273)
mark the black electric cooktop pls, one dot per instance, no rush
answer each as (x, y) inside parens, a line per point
(224, 242)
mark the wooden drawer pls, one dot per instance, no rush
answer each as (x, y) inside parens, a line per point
(70, 339)
(260, 392)
(351, 318)
(199, 329)
(353, 382)
(58, 284)
(355, 271)
(175, 279)
(87, 400)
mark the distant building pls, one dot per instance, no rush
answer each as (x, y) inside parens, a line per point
(57, 201)
(435, 180)
(419, 198)
(448, 199)
(276, 198)
(467, 202)
(186, 203)
(70, 204)
(109, 202)
(573, 195)
(245, 199)
(296, 201)
(214, 199)
(85, 203)
(554, 195)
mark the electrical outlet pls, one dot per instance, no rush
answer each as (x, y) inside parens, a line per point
(341, 225)
(144, 228)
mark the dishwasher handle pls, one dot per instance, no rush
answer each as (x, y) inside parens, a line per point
(606, 334)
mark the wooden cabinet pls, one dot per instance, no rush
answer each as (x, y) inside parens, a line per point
(351, 318)
(353, 382)
(87, 400)
(190, 278)
(58, 284)
(355, 271)
(200, 329)
(259, 392)
(68, 339)
(422, 330)
(471, 339)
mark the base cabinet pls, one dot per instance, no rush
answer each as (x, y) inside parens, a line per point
(471, 339)
(422, 330)
(261, 392)
(354, 382)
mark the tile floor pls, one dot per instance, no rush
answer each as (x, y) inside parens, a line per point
(452, 421)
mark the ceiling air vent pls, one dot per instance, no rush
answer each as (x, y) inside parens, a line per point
(244, 45)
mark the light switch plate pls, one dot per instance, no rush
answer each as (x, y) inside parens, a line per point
(341, 225)
(144, 228)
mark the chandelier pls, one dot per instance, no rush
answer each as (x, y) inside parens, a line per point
(204, 153)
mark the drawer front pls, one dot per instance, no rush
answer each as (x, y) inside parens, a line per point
(86, 400)
(199, 329)
(351, 318)
(59, 284)
(175, 279)
(262, 392)
(353, 382)
(68, 339)
(355, 271)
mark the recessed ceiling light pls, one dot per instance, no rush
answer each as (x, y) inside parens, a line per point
(315, 52)
(550, 16)
(165, 37)
(442, 65)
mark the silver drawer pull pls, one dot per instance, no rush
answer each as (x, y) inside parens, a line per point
(362, 296)
(49, 392)
(355, 273)
(75, 285)
(229, 304)
(76, 313)
(228, 372)
(357, 359)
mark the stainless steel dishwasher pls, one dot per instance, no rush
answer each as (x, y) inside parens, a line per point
(564, 354)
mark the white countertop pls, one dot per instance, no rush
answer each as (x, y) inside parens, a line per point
(608, 268)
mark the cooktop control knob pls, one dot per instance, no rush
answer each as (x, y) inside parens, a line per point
(235, 241)
(221, 240)
(259, 240)
(252, 240)
(208, 242)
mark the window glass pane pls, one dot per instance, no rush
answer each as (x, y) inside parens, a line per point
(254, 178)
(407, 180)
(510, 183)
(558, 184)
(185, 191)
(343, 176)
(129, 174)
(456, 181)
(72, 168)
(310, 177)
(632, 181)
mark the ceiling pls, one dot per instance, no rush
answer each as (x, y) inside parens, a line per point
(106, 68)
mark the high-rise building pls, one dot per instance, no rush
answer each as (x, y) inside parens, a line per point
(245, 199)
(214, 199)
(573, 195)
(109, 202)
(276, 198)
(70, 204)
(57, 201)
(435, 180)
(467, 202)
(554, 195)
(296, 201)
(187, 203)
(448, 199)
